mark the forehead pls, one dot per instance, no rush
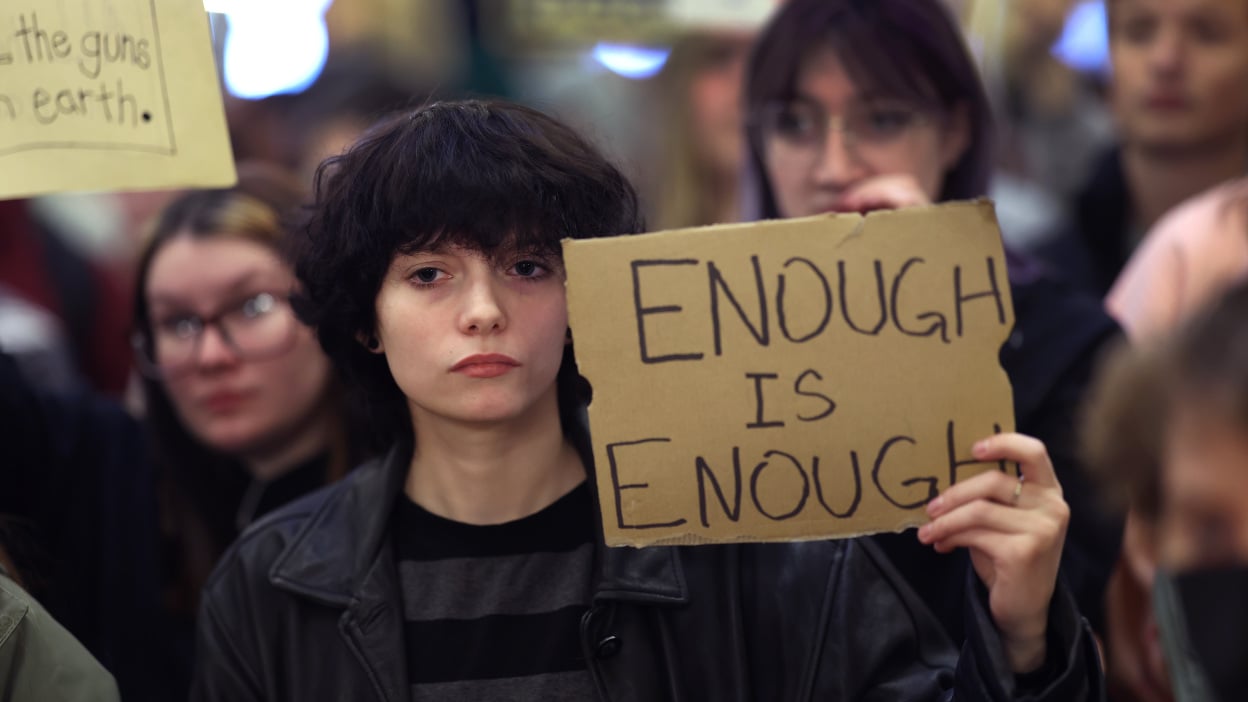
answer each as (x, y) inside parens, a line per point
(188, 267)
(1206, 456)
(1228, 9)
(823, 76)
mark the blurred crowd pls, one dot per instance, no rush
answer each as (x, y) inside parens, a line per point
(1122, 195)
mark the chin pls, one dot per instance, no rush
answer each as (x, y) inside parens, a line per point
(235, 437)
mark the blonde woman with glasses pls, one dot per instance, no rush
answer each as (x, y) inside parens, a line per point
(242, 414)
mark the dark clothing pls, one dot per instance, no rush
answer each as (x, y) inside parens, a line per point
(306, 605)
(1049, 358)
(77, 482)
(78, 485)
(491, 612)
(1091, 249)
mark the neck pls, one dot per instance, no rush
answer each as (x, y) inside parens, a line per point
(1159, 179)
(290, 451)
(492, 473)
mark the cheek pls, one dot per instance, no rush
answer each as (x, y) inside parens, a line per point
(548, 333)
(290, 385)
(1228, 85)
(304, 372)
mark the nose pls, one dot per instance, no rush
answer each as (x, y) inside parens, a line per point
(839, 165)
(214, 350)
(1168, 50)
(483, 308)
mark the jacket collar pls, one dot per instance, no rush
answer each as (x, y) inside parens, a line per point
(340, 556)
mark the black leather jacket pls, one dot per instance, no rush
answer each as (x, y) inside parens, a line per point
(306, 606)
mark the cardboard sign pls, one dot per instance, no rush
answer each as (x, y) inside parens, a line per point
(109, 95)
(785, 380)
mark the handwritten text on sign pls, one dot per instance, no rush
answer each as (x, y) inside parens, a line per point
(790, 380)
(88, 88)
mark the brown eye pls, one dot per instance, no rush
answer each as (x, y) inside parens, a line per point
(180, 326)
(886, 122)
(797, 122)
(426, 276)
(1138, 30)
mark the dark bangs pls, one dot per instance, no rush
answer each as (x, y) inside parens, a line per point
(909, 50)
(488, 176)
(473, 175)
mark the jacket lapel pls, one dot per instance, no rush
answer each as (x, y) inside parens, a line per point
(343, 558)
(373, 629)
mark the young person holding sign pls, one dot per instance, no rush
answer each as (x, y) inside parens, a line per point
(468, 563)
(861, 106)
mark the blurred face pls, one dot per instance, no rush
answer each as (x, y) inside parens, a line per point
(1180, 71)
(715, 92)
(243, 375)
(1033, 25)
(1205, 481)
(834, 135)
(472, 340)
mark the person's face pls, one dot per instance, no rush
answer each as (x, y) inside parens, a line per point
(1180, 71)
(834, 136)
(715, 97)
(251, 393)
(1205, 492)
(472, 340)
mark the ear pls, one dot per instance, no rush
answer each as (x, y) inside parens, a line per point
(370, 342)
(956, 137)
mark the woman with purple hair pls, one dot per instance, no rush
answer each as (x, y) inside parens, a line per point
(862, 105)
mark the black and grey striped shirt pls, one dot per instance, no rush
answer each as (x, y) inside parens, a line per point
(493, 612)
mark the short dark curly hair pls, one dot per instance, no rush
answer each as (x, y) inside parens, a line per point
(481, 174)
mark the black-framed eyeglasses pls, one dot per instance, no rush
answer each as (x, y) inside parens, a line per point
(257, 327)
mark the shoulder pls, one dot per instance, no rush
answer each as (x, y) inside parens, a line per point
(1188, 256)
(318, 531)
(41, 659)
(1207, 214)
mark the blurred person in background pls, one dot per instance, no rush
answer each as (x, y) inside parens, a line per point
(64, 315)
(1193, 254)
(699, 152)
(1191, 257)
(1053, 120)
(243, 413)
(1168, 430)
(855, 107)
(1179, 95)
(354, 90)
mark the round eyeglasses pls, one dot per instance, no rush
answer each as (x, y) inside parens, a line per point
(798, 128)
(255, 328)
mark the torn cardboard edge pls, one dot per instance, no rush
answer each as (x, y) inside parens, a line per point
(721, 452)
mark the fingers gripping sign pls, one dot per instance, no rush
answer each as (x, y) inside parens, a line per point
(1014, 528)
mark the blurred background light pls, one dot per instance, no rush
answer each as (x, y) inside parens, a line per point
(272, 47)
(1084, 44)
(636, 62)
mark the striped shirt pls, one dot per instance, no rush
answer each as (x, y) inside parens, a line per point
(493, 612)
